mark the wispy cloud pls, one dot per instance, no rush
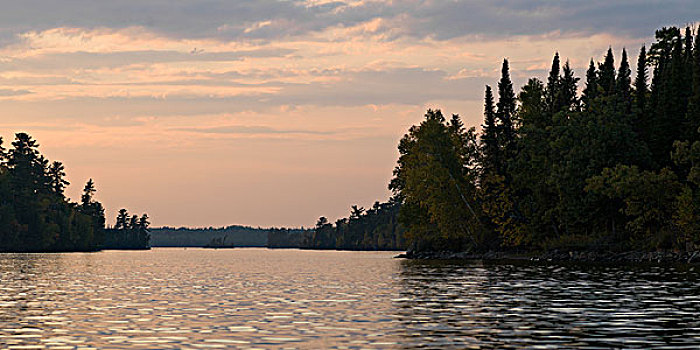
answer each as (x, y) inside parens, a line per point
(12, 92)
(250, 130)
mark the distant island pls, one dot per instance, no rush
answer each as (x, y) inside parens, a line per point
(374, 229)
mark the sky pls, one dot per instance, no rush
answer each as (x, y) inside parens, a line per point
(273, 113)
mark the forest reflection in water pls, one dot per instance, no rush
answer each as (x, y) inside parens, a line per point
(526, 305)
(258, 298)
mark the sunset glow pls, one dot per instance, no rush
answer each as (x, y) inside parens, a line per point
(270, 113)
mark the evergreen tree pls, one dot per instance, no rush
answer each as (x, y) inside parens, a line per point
(623, 84)
(553, 84)
(693, 115)
(491, 153)
(56, 177)
(607, 73)
(88, 192)
(122, 220)
(640, 82)
(590, 92)
(567, 98)
(505, 115)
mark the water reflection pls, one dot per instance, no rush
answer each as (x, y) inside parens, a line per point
(526, 305)
(257, 298)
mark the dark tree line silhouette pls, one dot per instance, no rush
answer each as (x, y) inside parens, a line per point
(616, 167)
(376, 228)
(36, 216)
(129, 232)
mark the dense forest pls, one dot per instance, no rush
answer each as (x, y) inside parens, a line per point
(377, 228)
(615, 166)
(35, 215)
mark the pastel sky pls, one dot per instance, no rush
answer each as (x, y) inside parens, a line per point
(273, 113)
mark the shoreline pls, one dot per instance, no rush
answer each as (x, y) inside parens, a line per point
(564, 256)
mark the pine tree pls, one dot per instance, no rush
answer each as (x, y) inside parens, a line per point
(676, 95)
(607, 73)
(88, 191)
(566, 98)
(56, 178)
(640, 82)
(590, 92)
(693, 115)
(122, 220)
(505, 113)
(491, 155)
(553, 86)
(622, 85)
(688, 52)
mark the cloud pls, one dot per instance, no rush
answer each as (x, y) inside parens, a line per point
(270, 20)
(250, 130)
(113, 58)
(11, 92)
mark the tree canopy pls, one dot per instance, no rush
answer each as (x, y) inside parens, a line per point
(616, 167)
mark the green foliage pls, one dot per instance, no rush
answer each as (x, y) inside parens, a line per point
(35, 216)
(647, 198)
(438, 199)
(616, 168)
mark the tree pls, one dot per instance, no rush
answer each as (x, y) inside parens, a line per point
(437, 202)
(491, 153)
(566, 97)
(623, 84)
(56, 177)
(122, 220)
(322, 221)
(640, 82)
(88, 192)
(693, 116)
(607, 73)
(553, 85)
(143, 221)
(591, 90)
(505, 113)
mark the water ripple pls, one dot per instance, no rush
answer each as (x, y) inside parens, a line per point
(257, 298)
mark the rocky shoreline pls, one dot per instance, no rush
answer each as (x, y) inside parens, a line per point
(659, 257)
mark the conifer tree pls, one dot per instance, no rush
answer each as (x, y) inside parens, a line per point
(622, 85)
(688, 54)
(88, 191)
(491, 155)
(552, 90)
(590, 92)
(693, 115)
(567, 99)
(56, 177)
(505, 113)
(640, 82)
(607, 73)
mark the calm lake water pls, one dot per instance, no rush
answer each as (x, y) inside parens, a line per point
(258, 298)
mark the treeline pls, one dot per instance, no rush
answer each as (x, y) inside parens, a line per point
(377, 228)
(239, 236)
(129, 232)
(616, 167)
(35, 215)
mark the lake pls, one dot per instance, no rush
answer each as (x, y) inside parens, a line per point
(259, 298)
